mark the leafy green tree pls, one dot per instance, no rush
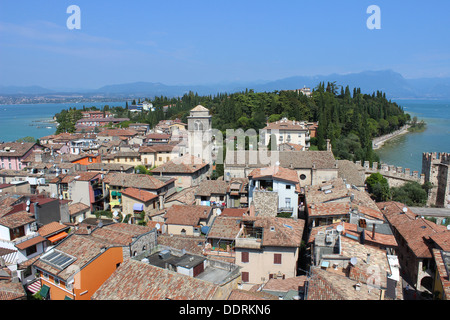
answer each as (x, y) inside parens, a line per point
(27, 139)
(411, 194)
(378, 187)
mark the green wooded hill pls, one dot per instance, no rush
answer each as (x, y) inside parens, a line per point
(349, 119)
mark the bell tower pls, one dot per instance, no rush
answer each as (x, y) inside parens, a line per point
(199, 131)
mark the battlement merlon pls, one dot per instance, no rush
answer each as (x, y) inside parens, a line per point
(393, 172)
(434, 157)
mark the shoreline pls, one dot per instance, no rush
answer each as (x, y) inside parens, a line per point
(378, 142)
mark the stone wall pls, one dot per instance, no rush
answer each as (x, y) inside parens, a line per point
(396, 176)
(266, 203)
(435, 168)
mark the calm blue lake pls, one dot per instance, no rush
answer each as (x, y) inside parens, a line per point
(18, 121)
(22, 120)
(406, 150)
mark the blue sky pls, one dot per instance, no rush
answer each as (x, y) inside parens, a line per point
(197, 42)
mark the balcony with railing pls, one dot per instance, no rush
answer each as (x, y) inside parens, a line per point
(285, 209)
(249, 237)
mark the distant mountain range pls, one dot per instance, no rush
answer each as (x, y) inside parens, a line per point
(388, 81)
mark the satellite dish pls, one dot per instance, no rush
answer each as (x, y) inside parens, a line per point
(340, 228)
(28, 202)
(53, 195)
(28, 208)
(353, 261)
(115, 213)
(448, 227)
(405, 209)
(80, 219)
(60, 197)
(158, 226)
(219, 211)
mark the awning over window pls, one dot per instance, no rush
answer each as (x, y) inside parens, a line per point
(44, 291)
(138, 207)
(57, 237)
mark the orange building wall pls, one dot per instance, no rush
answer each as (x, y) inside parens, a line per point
(56, 292)
(89, 279)
(85, 161)
(94, 274)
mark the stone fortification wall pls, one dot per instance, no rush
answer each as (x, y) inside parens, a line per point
(435, 167)
(396, 176)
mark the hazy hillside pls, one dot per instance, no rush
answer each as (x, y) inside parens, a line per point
(388, 81)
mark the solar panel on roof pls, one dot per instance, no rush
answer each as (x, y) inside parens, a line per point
(58, 259)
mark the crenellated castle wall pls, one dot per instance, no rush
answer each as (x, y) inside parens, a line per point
(396, 176)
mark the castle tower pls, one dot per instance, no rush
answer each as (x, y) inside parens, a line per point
(199, 133)
(435, 166)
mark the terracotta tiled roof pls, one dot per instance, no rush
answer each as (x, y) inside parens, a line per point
(11, 291)
(86, 247)
(283, 285)
(30, 242)
(140, 195)
(349, 228)
(325, 285)
(237, 294)
(351, 172)
(298, 159)
(275, 172)
(143, 181)
(185, 164)
(192, 244)
(291, 125)
(208, 187)
(442, 239)
(415, 230)
(119, 233)
(287, 146)
(185, 196)
(225, 228)
(83, 247)
(117, 132)
(16, 219)
(279, 232)
(16, 149)
(336, 189)
(158, 136)
(443, 271)
(328, 209)
(163, 147)
(186, 215)
(135, 280)
(77, 207)
(234, 212)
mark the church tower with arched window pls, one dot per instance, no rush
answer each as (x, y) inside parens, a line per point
(200, 134)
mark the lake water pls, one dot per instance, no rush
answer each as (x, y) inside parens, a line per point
(406, 150)
(22, 120)
(18, 121)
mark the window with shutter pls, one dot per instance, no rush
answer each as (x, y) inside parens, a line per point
(244, 257)
(245, 276)
(277, 258)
